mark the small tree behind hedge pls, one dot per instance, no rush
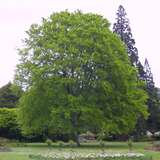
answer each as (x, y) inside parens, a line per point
(9, 95)
(8, 123)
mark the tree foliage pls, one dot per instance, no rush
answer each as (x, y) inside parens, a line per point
(8, 123)
(148, 77)
(122, 28)
(77, 78)
(9, 96)
(158, 92)
(153, 100)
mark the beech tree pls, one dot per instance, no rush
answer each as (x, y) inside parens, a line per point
(77, 77)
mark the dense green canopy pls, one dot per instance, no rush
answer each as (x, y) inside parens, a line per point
(9, 95)
(77, 77)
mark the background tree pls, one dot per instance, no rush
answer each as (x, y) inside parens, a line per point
(77, 78)
(8, 123)
(158, 92)
(122, 28)
(9, 95)
(153, 100)
(148, 77)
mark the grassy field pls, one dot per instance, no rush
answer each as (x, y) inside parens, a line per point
(22, 152)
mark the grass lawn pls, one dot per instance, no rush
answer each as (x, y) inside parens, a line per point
(22, 153)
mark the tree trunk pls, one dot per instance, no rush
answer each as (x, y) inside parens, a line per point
(75, 126)
(76, 138)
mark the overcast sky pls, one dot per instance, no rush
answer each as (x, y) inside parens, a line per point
(16, 16)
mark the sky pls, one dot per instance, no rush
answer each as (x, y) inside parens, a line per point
(16, 16)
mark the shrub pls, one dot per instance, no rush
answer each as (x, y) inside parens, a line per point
(60, 144)
(102, 145)
(157, 144)
(130, 144)
(71, 143)
(20, 144)
(48, 142)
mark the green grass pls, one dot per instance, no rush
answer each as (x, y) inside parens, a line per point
(23, 152)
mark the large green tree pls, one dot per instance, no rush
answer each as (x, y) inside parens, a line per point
(77, 77)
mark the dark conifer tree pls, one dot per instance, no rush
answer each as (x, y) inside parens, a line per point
(141, 72)
(148, 77)
(153, 100)
(8, 97)
(122, 28)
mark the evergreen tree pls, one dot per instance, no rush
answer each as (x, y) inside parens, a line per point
(123, 30)
(9, 96)
(158, 92)
(141, 72)
(153, 100)
(148, 77)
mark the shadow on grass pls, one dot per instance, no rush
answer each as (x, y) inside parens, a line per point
(95, 145)
(83, 145)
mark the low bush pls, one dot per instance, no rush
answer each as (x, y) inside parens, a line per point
(130, 144)
(156, 144)
(60, 144)
(48, 142)
(71, 143)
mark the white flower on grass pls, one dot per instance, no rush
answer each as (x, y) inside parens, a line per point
(74, 155)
